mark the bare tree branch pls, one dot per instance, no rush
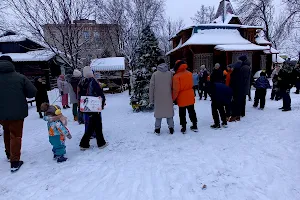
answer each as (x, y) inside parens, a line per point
(205, 15)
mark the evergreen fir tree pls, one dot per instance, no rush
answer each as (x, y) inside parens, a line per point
(147, 55)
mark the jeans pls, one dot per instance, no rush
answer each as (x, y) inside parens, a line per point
(217, 109)
(13, 131)
(170, 122)
(94, 125)
(192, 115)
(260, 97)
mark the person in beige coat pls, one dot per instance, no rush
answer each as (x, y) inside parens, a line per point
(160, 94)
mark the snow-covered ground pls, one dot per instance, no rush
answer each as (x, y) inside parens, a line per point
(255, 159)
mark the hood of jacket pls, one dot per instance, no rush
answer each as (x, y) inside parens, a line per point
(6, 67)
(182, 68)
(163, 67)
(237, 65)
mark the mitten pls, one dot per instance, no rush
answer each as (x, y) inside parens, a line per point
(69, 136)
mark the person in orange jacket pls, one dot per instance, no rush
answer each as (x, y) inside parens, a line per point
(183, 95)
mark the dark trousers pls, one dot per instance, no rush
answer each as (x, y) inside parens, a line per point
(192, 115)
(203, 90)
(13, 131)
(297, 87)
(275, 95)
(237, 105)
(243, 106)
(228, 110)
(260, 97)
(196, 88)
(217, 111)
(286, 99)
(94, 125)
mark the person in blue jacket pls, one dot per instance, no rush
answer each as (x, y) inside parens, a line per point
(221, 96)
(196, 82)
(261, 85)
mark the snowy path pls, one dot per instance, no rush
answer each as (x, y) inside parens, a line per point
(256, 159)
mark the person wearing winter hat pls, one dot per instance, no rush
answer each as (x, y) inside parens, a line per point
(57, 129)
(203, 82)
(73, 93)
(63, 87)
(183, 94)
(246, 82)
(87, 72)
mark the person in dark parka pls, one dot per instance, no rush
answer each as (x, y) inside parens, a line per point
(217, 75)
(14, 89)
(221, 96)
(41, 95)
(246, 83)
(261, 85)
(236, 84)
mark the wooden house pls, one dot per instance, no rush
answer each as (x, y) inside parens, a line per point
(222, 41)
(31, 58)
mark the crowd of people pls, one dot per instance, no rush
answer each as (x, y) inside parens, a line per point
(228, 90)
(14, 109)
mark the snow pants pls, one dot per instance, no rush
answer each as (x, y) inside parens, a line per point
(58, 145)
(218, 110)
(192, 115)
(260, 97)
(13, 131)
(65, 100)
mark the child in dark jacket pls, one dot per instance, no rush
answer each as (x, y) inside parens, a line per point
(57, 130)
(261, 85)
(221, 96)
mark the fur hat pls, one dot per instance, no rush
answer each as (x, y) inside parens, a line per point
(87, 72)
(77, 73)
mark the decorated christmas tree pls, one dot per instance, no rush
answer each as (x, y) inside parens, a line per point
(147, 55)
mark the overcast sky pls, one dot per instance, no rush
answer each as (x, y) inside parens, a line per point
(185, 9)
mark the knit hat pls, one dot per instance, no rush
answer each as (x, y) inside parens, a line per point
(243, 58)
(77, 73)
(202, 67)
(87, 72)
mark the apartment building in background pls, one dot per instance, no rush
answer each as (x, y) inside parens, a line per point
(95, 40)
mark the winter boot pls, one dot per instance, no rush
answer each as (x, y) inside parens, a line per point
(61, 159)
(75, 118)
(68, 106)
(171, 131)
(215, 126)
(232, 119)
(224, 125)
(183, 129)
(194, 127)
(41, 115)
(157, 131)
(238, 118)
(103, 146)
(15, 166)
(64, 107)
(282, 108)
(286, 110)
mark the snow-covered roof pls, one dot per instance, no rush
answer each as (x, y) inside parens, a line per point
(33, 56)
(176, 48)
(216, 37)
(240, 47)
(228, 18)
(261, 40)
(108, 64)
(271, 50)
(12, 38)
(277, 59)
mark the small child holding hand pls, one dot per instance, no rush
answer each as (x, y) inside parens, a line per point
(57, 130)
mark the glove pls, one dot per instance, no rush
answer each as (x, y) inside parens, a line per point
(69, 136)
(61, 93)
